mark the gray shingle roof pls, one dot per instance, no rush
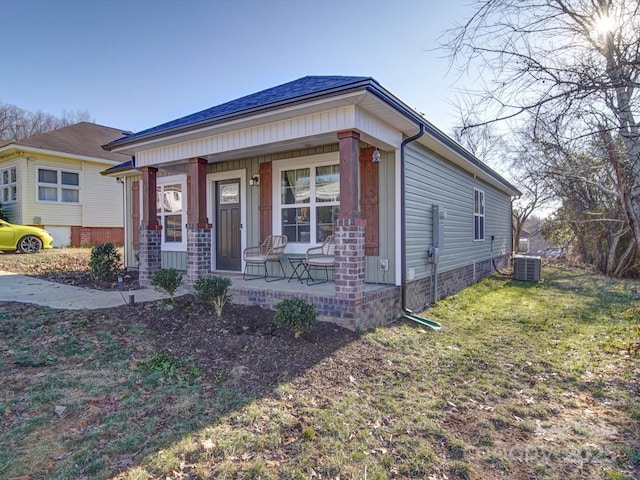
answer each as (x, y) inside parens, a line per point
(301, 90)
(84, 139)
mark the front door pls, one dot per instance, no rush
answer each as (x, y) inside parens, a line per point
(228, 226)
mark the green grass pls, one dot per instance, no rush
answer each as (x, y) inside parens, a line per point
(525, 380)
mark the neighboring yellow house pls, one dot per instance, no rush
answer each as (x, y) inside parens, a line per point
(53, 180)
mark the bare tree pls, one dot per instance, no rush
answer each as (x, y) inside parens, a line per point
(572, 66)
(584, 176)
(16, 123)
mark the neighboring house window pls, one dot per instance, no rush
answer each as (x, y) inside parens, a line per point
(309, 202)
(8, 183)
(58, 186)
(169, 207)
(478, 214)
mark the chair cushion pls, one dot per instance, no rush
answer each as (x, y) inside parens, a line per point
(256, 259)
(322, 261)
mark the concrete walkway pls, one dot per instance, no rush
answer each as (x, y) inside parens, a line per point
(23, 289)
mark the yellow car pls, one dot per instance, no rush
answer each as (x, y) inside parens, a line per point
(23, 238)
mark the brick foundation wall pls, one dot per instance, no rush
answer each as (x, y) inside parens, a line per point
(379, 307)
(420, 293)
(90, 236)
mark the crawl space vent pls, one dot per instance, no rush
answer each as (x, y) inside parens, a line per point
(526, 268)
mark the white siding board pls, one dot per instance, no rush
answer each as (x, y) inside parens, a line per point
(284, 130)
(376, 128)
(101, 198)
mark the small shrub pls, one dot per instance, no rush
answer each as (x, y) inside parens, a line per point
(167, 280)
(171, 367)
(296, 314)
(105, 261)
(213, 290)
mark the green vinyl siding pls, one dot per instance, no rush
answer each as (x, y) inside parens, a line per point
(175, 260)
(431, 180)
(387, 230)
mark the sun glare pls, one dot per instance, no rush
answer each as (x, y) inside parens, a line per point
(604, 25)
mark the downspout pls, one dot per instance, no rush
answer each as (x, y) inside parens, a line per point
(408, 314)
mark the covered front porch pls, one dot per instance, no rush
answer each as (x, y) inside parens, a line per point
(280, 205)
(314, 158)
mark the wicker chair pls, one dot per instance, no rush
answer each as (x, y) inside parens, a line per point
(271, 251)
(321, 257)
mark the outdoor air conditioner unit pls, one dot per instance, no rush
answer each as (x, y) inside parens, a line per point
(526, 268)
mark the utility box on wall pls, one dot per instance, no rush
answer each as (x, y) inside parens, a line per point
(527, 268)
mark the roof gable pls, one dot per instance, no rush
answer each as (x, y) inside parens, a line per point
(84, 139)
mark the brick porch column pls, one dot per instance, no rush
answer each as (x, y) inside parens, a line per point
(350, 259)
(350, 228)
(198, 226)
(150, 238)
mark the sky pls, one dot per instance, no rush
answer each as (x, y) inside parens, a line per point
(134, 64)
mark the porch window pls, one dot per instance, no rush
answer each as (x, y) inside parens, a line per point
(309, 200)
(170, 211)
(8, 185)
(478, 215)
(61, 186)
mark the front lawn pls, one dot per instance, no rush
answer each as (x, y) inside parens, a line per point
(524, 381)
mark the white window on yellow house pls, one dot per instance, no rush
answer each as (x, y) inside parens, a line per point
(8, 185)
(62, 186)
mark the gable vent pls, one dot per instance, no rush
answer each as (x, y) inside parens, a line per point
(526, 268)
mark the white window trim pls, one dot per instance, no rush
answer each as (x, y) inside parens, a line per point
(59, 186)
(7, 186)
(174, 246)
(479, 215)
(290, 164)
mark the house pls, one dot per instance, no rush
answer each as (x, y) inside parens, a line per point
(53, 180)
(415, 215)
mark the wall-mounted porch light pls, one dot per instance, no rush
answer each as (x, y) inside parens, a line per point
(376, 156)
(254, 181)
